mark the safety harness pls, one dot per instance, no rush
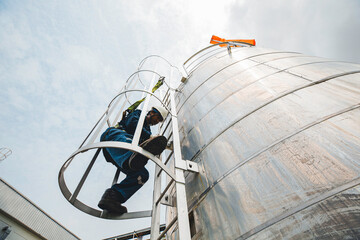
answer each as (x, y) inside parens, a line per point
(134, 106)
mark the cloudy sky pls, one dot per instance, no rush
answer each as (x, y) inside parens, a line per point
(61, 62)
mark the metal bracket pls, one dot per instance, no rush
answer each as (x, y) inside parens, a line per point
(188, 166)
(229, 48)
(168, 200)
(192, 166)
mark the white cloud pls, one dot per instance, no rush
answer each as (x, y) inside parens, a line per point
(323, 28)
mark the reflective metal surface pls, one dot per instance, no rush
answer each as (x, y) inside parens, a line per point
(277, 139)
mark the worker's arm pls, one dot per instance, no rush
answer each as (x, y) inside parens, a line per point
(131, 122)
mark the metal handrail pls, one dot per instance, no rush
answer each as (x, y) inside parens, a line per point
(143, 61)
(138, 90)
(229, 43)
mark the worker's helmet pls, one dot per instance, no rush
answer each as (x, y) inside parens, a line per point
(163, 111)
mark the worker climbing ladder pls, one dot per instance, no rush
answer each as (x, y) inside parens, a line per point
(175, 173)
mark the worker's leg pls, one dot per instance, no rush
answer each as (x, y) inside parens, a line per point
(133, 182)
(116, 155)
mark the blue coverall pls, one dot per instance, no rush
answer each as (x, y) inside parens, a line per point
(119, 157)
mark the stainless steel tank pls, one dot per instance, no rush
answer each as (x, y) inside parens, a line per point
(277, 138)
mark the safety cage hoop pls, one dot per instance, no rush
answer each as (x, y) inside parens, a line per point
(91, 141)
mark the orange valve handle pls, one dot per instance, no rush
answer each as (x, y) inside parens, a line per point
(216, 39)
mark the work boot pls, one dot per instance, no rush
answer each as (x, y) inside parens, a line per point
(110, 201)
(154, 145)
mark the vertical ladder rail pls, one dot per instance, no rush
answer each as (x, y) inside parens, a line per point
(155, 216)
(181, 201)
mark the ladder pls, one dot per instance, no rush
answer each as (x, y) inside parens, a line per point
(174, 173)
(180, 167)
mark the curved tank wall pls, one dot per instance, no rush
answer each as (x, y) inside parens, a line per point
(277, 137)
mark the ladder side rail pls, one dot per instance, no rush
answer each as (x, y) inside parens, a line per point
(166, 104)
(81, 183)
(181, 201)
(155, 217)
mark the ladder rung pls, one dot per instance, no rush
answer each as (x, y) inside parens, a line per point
(165, 127)
(167, 160)
(167, 228)
(166, 98)
(165, 190)
(170, 135)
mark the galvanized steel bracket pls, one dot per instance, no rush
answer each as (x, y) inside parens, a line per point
(168, 200)
(188, 166)
(192, 166)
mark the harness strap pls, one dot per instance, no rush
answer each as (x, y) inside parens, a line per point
(134, 106)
